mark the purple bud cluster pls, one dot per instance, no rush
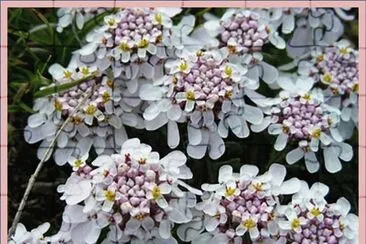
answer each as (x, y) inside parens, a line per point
(298, 115)
(242, 32)
(338, 68)
(208, 81)
(320, 226)
(138, 27)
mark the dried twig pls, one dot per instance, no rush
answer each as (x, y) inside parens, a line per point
(39, 167)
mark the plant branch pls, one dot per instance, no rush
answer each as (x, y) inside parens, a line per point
(33, 178)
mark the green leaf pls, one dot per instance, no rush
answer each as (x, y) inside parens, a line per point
(59, 88)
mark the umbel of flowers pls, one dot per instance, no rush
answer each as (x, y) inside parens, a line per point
(301, 117)
(240, 204)
(205, 90)
(309, 218)
(137, 194)
(335, 68)
(98, 122)
(139, 198)
(136, 41)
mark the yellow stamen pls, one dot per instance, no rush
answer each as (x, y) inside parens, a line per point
(123, 46)
(111, 21)
(91, 109)
(249, 223)
(143, 43)
(316, 212)
(76, 120)
(327, 78)
(78, 163)
(228, 71)
(285, 129)
(106, 97)
(110, 195)
(67, 74)
(156, 193)
(258, 186)
(110, 83)
(320, 58)
(307, 97)
(142, 161)
(58, 105)
(343, 51)
(190, 95)
(158, 18)
(228, 94)
(316, 133)
(232, 49)
(183, 66)
(230, 191)
(140, 217)
(295, 224)
(85, 70)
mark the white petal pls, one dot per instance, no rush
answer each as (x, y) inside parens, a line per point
(165, 229)
(278, 173)
(225, 173)
(332, 163)
(346, 151)
(294, 155)
(290, 186)
(194, 135)
(250, 170)
(36, 120)
(173, 134)
(281, 142)
(156, 123)
(270, 73)
(253, 114)
(211, 223)
(217, 146)
(175, 112)
(149, 92)
(311, 162)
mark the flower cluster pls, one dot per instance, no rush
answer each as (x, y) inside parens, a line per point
(95, 109)
(152, 72)
(308, 218)
(137, 194)
(336, 69)
(135, 42)
(244, 30)
(247, 204)
(202, 88)
(300, 115)
(138, 198)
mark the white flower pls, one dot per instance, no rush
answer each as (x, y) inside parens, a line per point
(35, 236)
(293, 222)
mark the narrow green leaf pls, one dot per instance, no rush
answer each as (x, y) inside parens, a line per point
(59, 88)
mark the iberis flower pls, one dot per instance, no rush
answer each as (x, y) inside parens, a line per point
(202, 88)
(135, 42)
(139, 196)
(66, 16)
(316, 27)
(34, 236)
(299, 116)
(310, 219)
(335, 68)
(243, 31)
(98, 122)
(240, 204)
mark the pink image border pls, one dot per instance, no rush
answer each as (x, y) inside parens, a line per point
(361, 5)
